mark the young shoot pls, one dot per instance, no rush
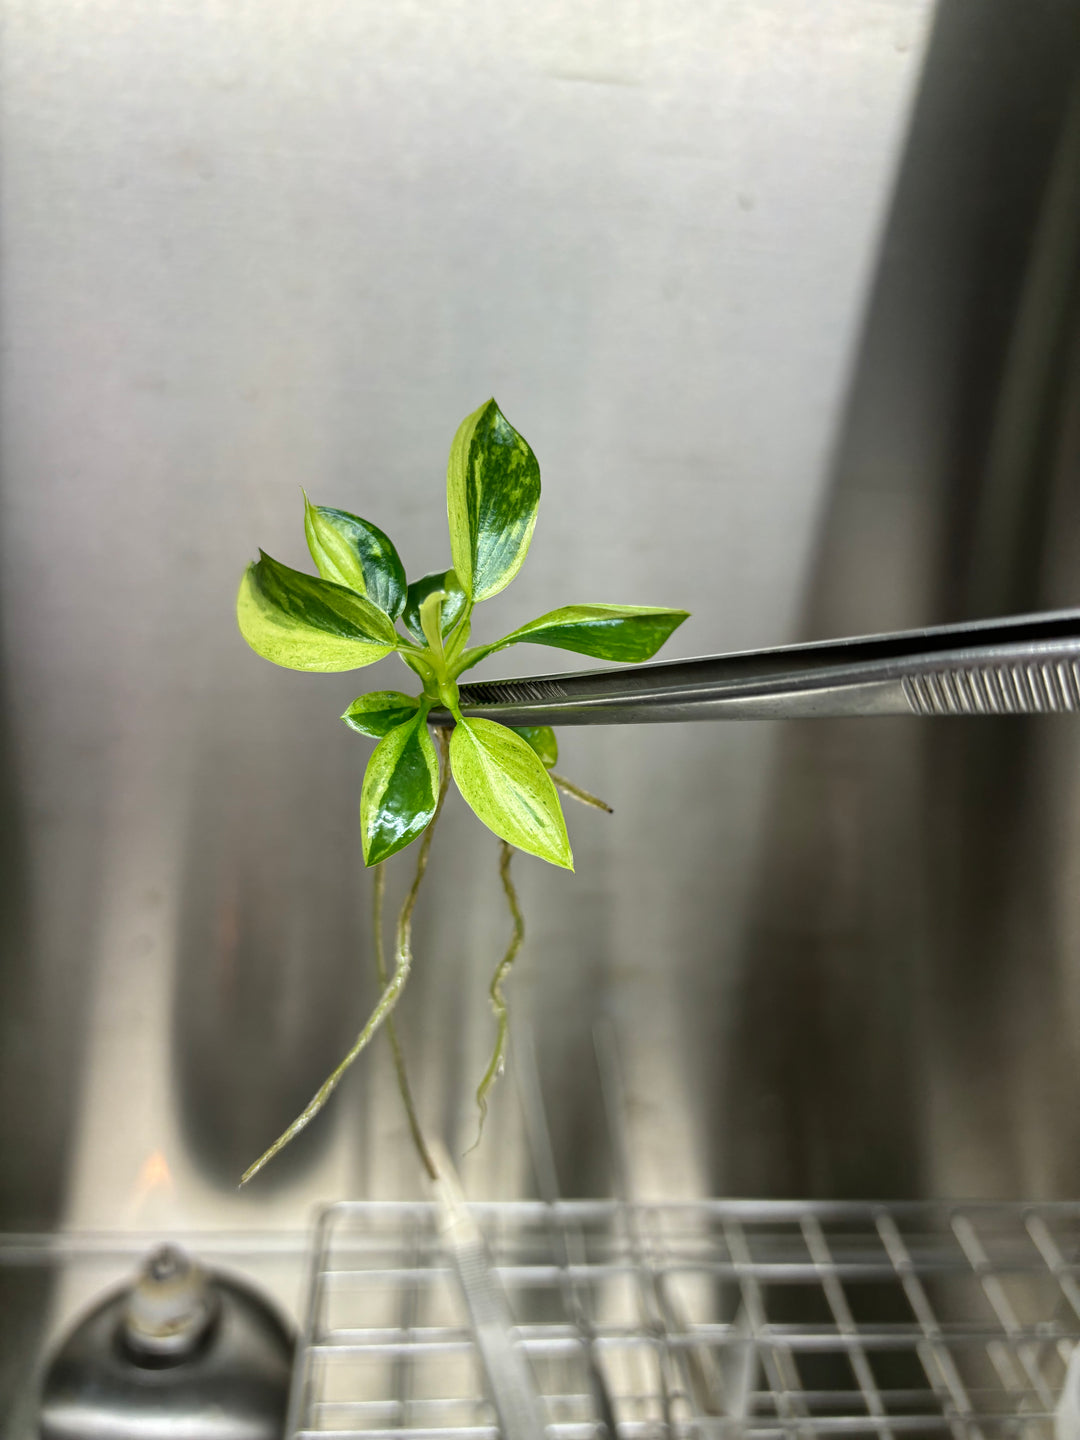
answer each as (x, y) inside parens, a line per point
(358, 609)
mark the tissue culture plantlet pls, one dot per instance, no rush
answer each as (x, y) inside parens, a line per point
(348, 617)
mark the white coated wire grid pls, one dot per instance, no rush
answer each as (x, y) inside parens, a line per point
(714, 1318)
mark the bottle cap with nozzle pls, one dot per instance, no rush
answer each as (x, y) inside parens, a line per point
(170, 1308)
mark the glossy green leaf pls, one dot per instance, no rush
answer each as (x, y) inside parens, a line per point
(401, 787)
(492, 493)
(354, 553)
(305, 623)
(380, 711)
(505, 783)
(627, 633)
(419, 590)
(543, 741)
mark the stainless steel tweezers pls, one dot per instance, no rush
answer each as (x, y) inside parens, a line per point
(1026, 665)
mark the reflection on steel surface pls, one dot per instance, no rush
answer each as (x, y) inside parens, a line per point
(778, 298)
(869, 1319)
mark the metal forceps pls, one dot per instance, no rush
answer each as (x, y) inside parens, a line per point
(1026, 665)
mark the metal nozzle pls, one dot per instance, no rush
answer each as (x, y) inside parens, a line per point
(170, 1308)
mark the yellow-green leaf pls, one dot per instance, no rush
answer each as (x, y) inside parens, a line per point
(305, 623)
(504, 781)
(543, 741)
(380, 711)
(628, 633)
(492, 494)
(401, 787)
(353, 552)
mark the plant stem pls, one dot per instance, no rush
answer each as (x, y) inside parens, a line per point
(498, 1002)
(378, 879)
(391, 992)
(459, 636)
(585, 796)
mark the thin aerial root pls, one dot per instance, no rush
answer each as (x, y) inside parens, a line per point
(391, 992)
(387, 1000)
(378, 879)
(498, 1002)
(585, 796)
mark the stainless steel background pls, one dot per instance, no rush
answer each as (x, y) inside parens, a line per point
(783, 295)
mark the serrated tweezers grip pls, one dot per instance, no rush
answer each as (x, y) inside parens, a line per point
(1017, 689)
(512, 692)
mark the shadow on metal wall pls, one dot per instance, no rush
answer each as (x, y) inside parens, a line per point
(28, 1192)
(43, 986)
(269, 978)
(901, 1018)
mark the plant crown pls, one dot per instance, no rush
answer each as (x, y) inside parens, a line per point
(349, 616)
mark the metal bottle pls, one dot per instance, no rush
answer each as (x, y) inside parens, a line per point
(180, 1354)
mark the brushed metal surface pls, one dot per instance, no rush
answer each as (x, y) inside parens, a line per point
(782, 297)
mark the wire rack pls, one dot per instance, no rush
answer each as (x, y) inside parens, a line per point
(718, 1318)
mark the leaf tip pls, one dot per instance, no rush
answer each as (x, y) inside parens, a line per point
(376, 854)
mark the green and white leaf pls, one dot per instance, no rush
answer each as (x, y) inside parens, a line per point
(504, 781)
(401, 787)
(543, 741)
(352, 552)
(304, 623)
(492, 494)
(628, 633)
(419, 591)
(380, 711)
